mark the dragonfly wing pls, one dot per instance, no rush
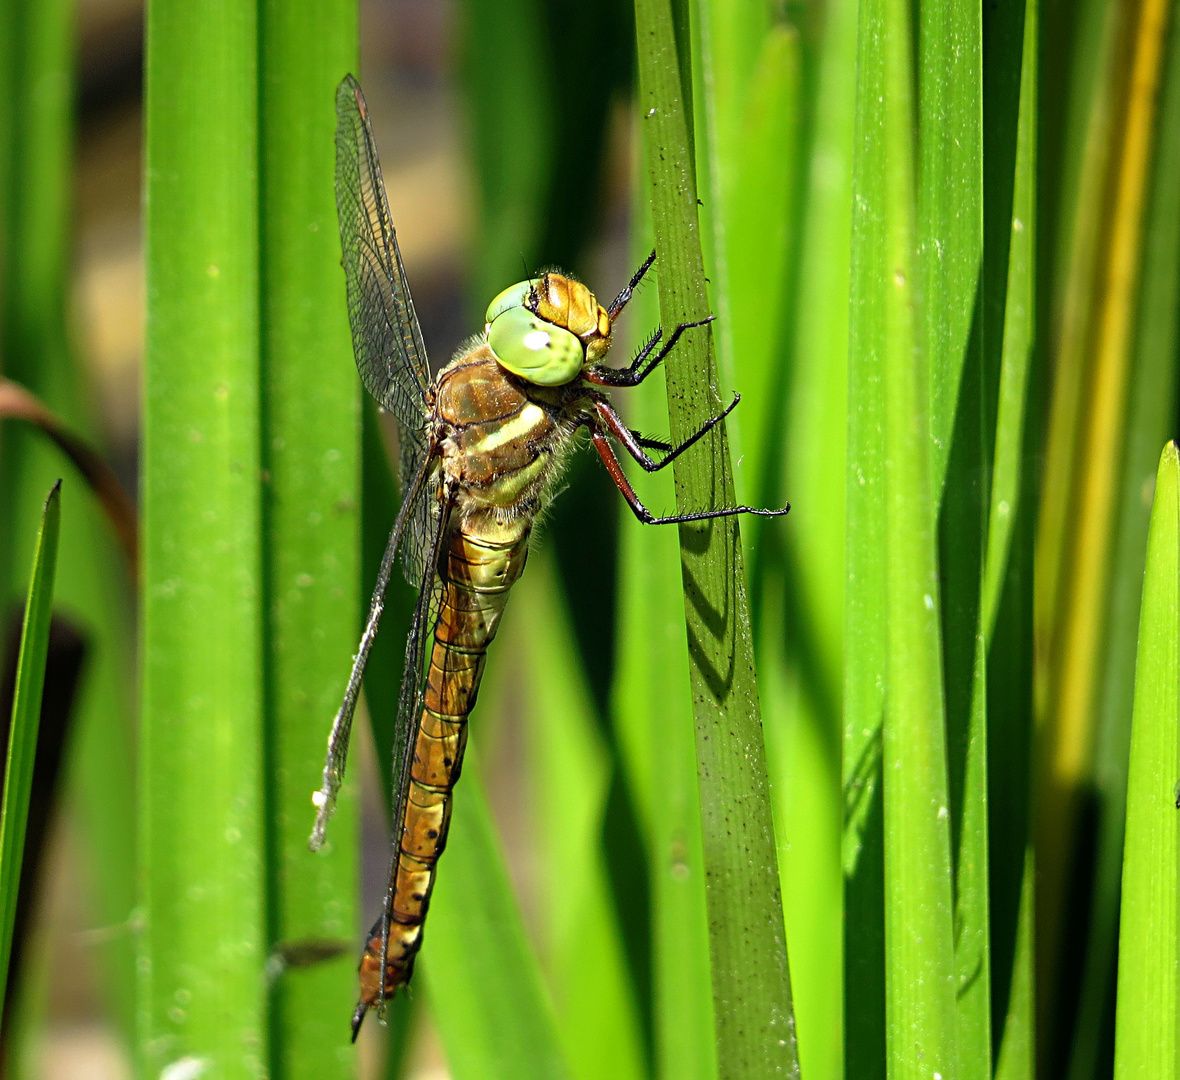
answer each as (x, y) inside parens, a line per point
(410, 697)
(386, 337)
(421, 529)
(421, 491)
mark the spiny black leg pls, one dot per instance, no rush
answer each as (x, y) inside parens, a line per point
(602, 445)
(635, 446)
(645, 352)
(726, 511)
(634, 374)
(624, 297)
(651, 444)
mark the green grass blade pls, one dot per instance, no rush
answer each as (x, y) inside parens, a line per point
(37, 194)
(1150, 421)
(953, 287)
(748, 163)
(26, 717)
(578, 933)
(659, 759)
(949, 205)
(312, 539)
(1148, 1021)
(727, 42)
(802, 685)
(1078, 525)
(751, 984)
(202, 862)
(1006, 604)
(890, 491)
(482, 980)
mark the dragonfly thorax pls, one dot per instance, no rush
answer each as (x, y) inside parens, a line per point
(547, 329)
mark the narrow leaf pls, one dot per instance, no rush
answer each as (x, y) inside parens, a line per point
(1149, 937)
(652, 711)
(1006, 600)
(580, 945)
(202, 999)
(802, 684)
(312, 542)
(893, 597)
(1151, 398)
(37, 127)
(26, 717)
(751, 983)
(482, 979)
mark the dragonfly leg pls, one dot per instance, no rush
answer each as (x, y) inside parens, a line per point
(636, 445)
(638, 369)
(624, 297)
(651, 444)
(602, 445)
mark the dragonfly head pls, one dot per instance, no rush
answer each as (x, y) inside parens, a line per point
(547, 329)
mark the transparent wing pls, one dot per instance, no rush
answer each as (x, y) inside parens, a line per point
(386, 337)
(422, 490)
(409, 702)
(421, 528)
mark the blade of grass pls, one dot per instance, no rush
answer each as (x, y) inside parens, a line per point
(579, 940)
(311, 456)
(725, 42)
(1079, 619)
(747, 158)
(953, 287)
(482, 979)
(652, 713)
(37, 106)
(202, 865)
(1150, 420)
(889, 416)
(865, 642)
(1148, 994)
(1006, 601)
(949, 206)
(26, 717)
(803, 724)
(751, 984)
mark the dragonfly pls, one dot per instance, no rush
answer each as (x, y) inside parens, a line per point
(482, 446)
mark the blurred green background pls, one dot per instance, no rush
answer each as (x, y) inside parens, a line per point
(942, 242)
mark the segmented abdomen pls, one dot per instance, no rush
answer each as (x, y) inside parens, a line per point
(483, 559)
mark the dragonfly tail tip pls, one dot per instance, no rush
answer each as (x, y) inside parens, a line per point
(358, 1017)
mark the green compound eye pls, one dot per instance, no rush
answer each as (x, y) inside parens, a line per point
(513, 296)
(535, 350)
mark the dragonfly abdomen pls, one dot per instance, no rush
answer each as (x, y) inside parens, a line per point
(484, 558)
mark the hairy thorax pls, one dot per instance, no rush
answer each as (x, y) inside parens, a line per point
(503, 441)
